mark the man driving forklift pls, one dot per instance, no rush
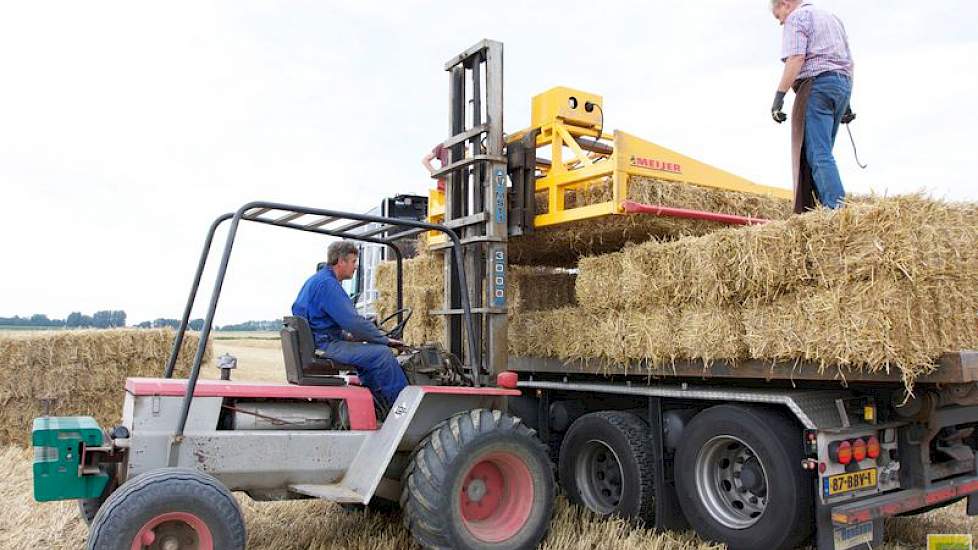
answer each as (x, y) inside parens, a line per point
(341, 333)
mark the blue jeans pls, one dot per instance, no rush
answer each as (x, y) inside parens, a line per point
(826, 105)
(376, 366)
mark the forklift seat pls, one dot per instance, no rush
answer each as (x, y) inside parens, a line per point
(304, 366)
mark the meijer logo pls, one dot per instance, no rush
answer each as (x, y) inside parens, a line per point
(653, 164)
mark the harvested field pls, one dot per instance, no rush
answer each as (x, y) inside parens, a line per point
(302, 525)
(77, 372)
(564, 244)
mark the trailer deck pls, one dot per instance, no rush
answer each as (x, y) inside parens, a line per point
(954, 368)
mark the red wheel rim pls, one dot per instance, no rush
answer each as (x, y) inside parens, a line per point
(496, 497)
(185, 530)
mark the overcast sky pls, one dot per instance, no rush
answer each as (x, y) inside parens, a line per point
(127, 127)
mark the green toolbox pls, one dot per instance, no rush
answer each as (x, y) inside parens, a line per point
(58, 443)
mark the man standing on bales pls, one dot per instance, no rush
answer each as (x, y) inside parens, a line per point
(818, 66)
(342, 334)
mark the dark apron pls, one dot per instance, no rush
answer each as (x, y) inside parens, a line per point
(805, 198)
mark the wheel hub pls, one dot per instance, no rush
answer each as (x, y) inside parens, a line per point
(174, 531)
(731, 482)
(496, 497)
(599, 477)
(476, 490)
(752, 477)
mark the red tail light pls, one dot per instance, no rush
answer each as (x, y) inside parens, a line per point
(859, 449)
(873, 447)
(842, 452)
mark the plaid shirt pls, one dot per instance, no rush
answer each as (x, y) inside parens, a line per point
(820, 37)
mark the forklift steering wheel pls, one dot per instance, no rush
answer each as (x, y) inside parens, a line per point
(398, 329)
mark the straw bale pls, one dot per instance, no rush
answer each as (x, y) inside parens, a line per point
(653, 338)
(710, 334)
(80, 372)
(564, 244)
(556, 333)
(528, 289)
(884, 325)
(913, 238)
(539, 288)
(597, 281)
(912, 235)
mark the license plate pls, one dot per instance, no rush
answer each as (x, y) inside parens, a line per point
(853, 536)
(847, 483)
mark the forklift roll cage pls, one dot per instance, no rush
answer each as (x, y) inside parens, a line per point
(254, 212)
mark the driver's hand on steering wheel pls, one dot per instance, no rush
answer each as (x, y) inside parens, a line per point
(394, 343)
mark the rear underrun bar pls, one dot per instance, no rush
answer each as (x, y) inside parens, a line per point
(631, 207)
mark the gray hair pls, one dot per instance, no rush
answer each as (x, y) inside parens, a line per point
(338, 250)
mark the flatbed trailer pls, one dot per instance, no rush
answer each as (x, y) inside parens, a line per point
(953, 368)
(865, 449)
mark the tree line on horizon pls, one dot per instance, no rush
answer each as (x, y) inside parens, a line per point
(198, 324)
(117, 319)
(100, 319)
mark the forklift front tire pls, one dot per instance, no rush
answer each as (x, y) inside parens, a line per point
(169, 507)
(481, 481)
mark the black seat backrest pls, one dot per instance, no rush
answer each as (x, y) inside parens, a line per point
(302, 367)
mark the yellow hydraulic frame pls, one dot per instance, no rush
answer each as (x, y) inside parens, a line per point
(581, 155)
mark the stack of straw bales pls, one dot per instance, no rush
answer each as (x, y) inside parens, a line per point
(423, 289)
(528, 289)
(564, 244)
(78, 373)
(882, 284)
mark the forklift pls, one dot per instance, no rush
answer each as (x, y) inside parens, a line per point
(465, 472)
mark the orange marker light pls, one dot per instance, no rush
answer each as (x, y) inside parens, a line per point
(873, 447)
(859, 449)
(843, 453)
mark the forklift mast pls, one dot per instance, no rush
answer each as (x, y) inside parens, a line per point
(476, 203)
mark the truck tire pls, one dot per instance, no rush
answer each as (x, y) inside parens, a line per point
(480, 481)
(739, 478)
(187, 506)
(607, 465)
(88, 507)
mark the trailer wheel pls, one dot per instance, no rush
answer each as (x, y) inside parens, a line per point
(481, 481)
(171, 508)
(88, 507)
(607, 465)
(739, 478)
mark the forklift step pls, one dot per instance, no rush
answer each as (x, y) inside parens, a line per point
(335, 492)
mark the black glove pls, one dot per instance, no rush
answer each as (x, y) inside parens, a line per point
(849, 116)
(776, 113)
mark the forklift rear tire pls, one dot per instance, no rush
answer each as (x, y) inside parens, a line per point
(607, 465)
(739, 478)
(187, 507)
(481, 481)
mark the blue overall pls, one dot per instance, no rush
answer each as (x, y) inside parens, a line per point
(330, 312)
